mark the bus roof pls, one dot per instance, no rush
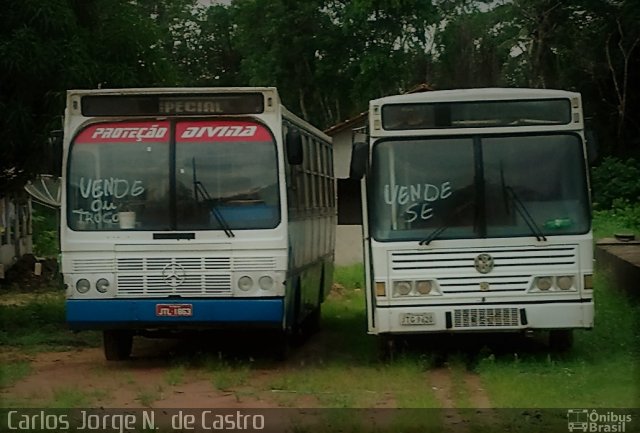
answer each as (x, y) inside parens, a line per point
(480, 94)
(168, 90)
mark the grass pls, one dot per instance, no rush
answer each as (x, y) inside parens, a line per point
(349, 374)
(68, 397)
(175, 375)
(341, 368)
(598, 372)
(227, 376)
(38, 324)
(344, 321)
(351, 276)
(148, 396)
(607, 223)
(459, 389)
(13, 371)
(337, 386)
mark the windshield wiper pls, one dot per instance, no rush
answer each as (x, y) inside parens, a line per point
(524, 213)
(199, 189)
(434, 234)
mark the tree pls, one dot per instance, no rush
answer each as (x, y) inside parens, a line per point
(49, 46)
(329, 57)
(589, 46)
(205, 47)
(472, 47)
(624, 39)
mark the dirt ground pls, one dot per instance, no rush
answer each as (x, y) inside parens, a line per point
(181, 374)
(144, 381)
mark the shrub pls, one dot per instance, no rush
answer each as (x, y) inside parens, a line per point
(616, 179)
(45, 232)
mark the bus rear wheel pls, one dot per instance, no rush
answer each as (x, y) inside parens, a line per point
(117, 344)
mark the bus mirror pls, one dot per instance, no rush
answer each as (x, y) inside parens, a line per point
(592, 145)
(54, 153)
(294, 146)
(359, 160)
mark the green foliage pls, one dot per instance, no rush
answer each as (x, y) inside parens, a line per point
(49, 46)
(616, 179)
(616, 197)
(623, 217)
(327, 57)
(45, 232)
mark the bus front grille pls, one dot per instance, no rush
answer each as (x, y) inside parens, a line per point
(173, 276)
(190, 285)
(158, 264)
(92, 265)
(456, 271)
(485, 317)
(161, 275)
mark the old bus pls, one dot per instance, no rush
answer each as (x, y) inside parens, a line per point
(476, 213)
(193, 208)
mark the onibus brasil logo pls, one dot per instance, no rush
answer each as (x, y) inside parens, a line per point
(586, 420)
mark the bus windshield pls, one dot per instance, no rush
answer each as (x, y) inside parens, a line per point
(480, 186)
(190, 175)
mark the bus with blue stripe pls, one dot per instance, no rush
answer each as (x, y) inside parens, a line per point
(193, 208)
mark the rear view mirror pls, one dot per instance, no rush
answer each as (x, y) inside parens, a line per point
(294, 146)
(359, 160)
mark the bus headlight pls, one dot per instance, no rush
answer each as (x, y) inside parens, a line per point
(83, 285)
(565, 282)
(245, 283)
(402, 287)
(423, 287)
(544, 283)
(266, 282)
(102, 285)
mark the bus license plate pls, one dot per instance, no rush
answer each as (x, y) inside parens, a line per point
(174, 310)
(411, 319)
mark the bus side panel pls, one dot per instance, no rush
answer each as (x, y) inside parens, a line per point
(312, 218)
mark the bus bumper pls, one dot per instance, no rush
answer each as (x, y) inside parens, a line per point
(173, 313)
(484, 318)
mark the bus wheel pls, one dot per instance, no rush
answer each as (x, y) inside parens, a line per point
(117, 344)
(311, 323)
(561, 340)
(386, 347)
(281, 345)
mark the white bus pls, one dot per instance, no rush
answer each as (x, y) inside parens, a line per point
(476, 213)
(193, 208)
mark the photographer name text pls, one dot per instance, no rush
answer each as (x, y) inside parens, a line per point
(85, 420)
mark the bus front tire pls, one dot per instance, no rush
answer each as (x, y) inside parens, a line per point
(281, 345)
(117, 344)
(387, 347)
(561, 340)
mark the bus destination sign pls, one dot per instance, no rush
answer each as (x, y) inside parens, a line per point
(172, 105)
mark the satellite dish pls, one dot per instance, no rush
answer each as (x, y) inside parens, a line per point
(45, 189)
